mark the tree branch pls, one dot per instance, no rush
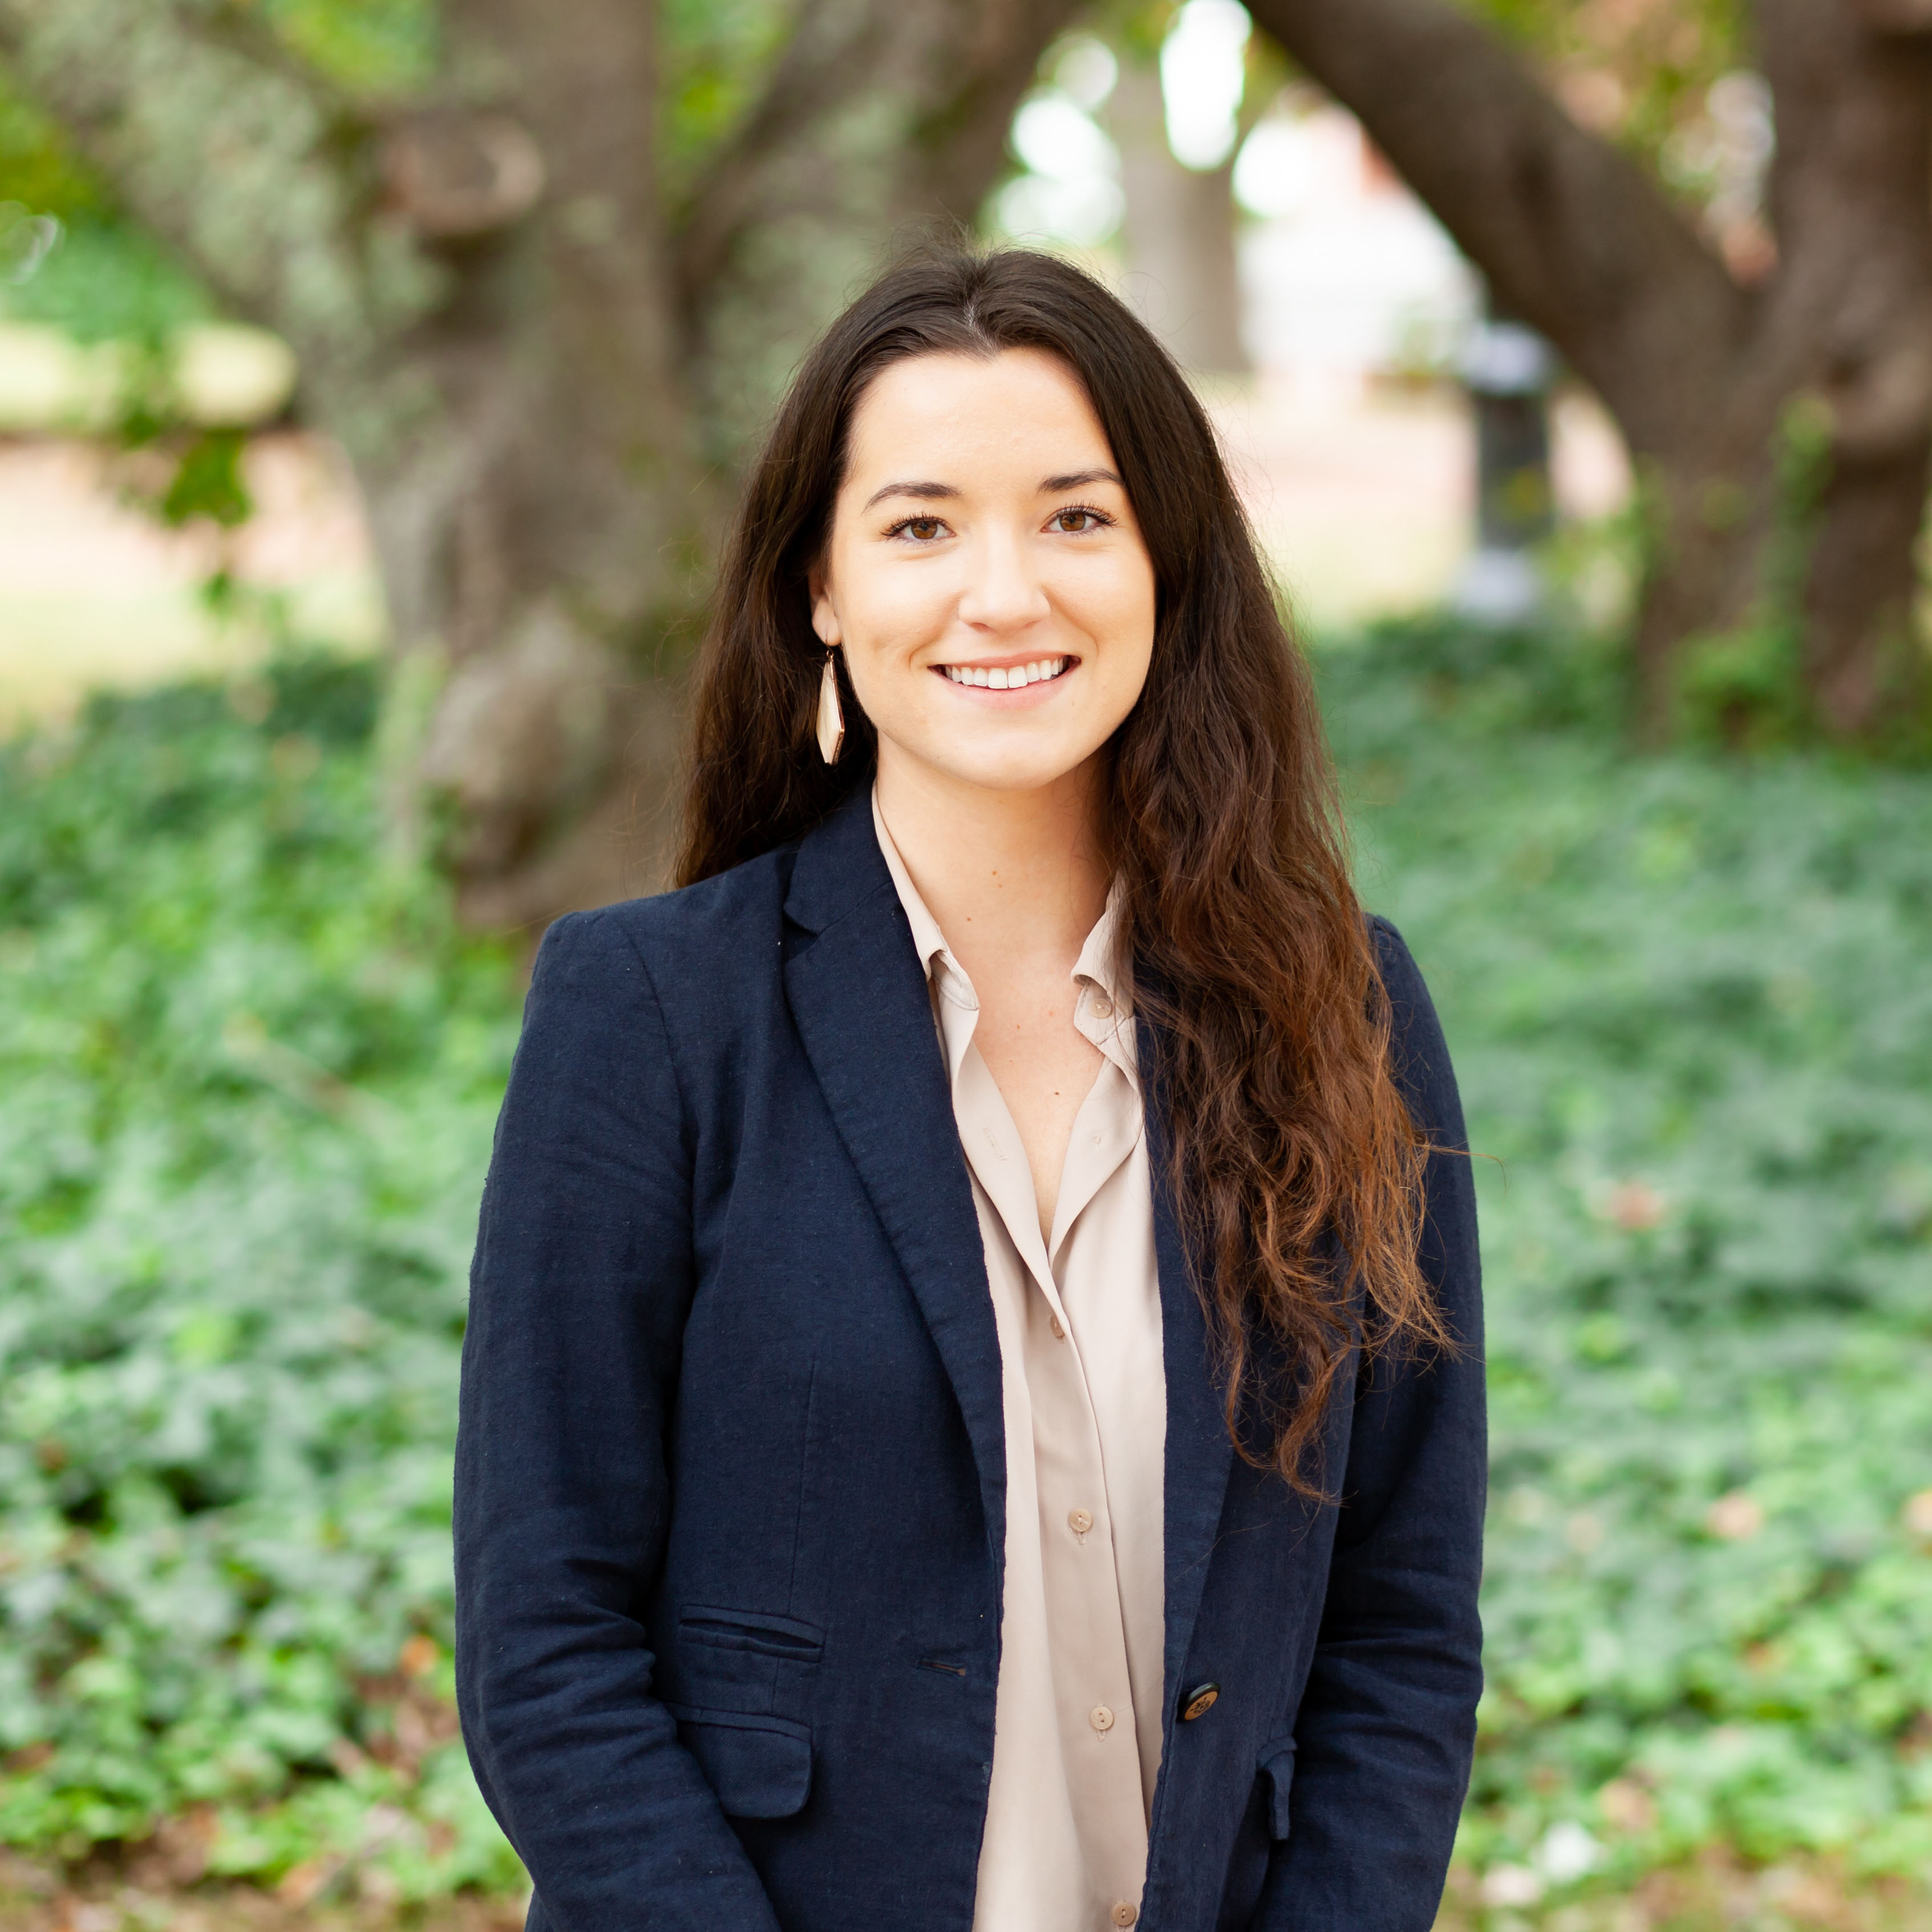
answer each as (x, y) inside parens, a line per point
(961, 135)
(231, 154)
(881, 113)
(823, 64)
(1570, 233)
(1851, 308)
(1895, 16)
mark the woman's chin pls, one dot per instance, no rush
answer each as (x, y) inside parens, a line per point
(1003, 766)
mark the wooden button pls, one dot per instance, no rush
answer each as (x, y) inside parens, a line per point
(1200, 1699)
(1125, 1914)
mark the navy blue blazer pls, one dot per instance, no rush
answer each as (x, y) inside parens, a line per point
(731, 1481)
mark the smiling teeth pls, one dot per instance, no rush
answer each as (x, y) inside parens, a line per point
(1004, 677)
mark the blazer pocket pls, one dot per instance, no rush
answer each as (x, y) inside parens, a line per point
(759, 1767)
(745, 1661)
(760, 1632)
(1277, 1766)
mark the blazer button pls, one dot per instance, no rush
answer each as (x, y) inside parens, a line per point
(1200, 1699)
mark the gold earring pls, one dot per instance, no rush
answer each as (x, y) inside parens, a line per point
(831, 716)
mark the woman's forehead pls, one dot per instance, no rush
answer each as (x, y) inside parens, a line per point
(1021, 410)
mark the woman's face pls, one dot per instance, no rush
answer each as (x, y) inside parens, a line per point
(985, 576)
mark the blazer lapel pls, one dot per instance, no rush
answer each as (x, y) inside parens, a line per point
(1200, 1452)
(859, 1001)
(860, 1004)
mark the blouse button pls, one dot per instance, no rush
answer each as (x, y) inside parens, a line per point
(1124, 1914)
(1082, 1521)
(1100, 1717)
(1059, 1332)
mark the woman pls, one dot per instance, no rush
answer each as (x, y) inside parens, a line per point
(971, 1414)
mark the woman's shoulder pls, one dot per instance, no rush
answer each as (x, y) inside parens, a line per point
(1418, 1054)
(1402, 978)
(712, 935)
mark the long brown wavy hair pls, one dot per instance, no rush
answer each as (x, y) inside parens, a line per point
(1292, 1158)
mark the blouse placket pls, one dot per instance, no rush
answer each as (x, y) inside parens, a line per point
(1077, 1722)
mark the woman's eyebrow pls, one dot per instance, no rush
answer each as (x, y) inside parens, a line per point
(925, 492)
(1075, 479)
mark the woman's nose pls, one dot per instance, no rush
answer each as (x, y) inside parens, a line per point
(1003, 591)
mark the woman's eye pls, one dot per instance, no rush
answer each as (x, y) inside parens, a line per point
(922, 529)
(1075, 523)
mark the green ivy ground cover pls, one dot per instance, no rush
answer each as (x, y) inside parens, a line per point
(1690, 1003)
(248, 1070)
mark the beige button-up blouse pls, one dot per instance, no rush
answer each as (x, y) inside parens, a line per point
(1078, 1714)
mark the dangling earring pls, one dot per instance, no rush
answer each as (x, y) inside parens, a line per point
(831, 716)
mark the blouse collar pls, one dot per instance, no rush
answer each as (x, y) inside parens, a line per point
(1107, 988)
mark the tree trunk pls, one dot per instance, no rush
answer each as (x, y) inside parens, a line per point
(1851, 203)
(1182, 277)
(530, 523)
(543, 366)
(1702, 374)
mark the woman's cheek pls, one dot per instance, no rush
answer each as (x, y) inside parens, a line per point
(893, 612)
(1113, 603)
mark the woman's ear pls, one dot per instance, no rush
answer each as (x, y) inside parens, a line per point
(824, 618)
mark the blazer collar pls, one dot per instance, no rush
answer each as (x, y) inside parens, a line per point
(858, 994)
(839, 866)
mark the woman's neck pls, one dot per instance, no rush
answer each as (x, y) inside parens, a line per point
(1009, 876)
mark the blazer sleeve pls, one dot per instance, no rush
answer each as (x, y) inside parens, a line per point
(1386, 1728)
(583, 1277)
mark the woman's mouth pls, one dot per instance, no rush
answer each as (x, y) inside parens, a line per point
(1008, 677)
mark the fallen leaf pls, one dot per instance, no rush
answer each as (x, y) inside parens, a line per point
(1736, 1517)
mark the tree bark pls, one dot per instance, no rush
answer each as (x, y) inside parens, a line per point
(543, 369)
(1572, 235)
(882, 119)
(1179, 229)
(1852, 318)
(1699, 372)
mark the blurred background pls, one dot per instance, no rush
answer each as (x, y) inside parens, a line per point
(374, 380)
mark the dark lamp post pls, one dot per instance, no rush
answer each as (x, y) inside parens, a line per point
(1508, 370)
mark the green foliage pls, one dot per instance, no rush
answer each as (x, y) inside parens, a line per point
(1692, 1018)
(37, 169)
(1133, 28)
(105, 280)
(251, 1069)
(1746, 687)
(372, 48)
(1648, 64)
(207, 482)
(716, 56)
(109, 281)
